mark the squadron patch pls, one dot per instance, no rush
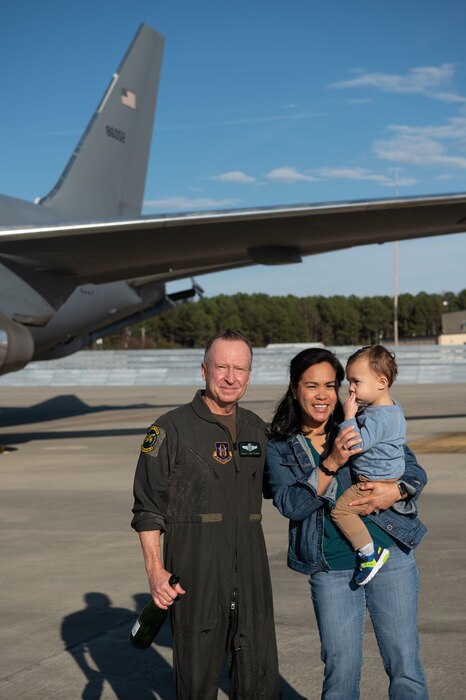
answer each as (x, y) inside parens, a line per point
(249, 449)
(153, 440)
(222, 452)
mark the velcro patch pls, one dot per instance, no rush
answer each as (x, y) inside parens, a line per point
(222, 452)
(153, 440)
(249, 449)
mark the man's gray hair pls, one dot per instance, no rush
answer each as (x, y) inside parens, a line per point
(227, 334)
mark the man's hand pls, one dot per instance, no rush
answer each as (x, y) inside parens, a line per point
(380, 496)
(162, 593)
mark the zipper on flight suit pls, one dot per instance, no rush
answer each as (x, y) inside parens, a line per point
(212, 471)
(233, 600)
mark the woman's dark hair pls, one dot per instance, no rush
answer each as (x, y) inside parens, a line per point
(287, 418)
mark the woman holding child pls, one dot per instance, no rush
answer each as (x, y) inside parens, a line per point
(307, 471)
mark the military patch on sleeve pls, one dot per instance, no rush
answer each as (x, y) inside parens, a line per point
(249, 449)
(153, 440)
(222, 452)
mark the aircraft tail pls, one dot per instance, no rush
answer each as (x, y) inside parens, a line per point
(105, 176)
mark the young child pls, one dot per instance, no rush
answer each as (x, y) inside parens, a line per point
(370, 372)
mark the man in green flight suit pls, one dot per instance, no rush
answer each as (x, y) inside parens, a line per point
(199, 482)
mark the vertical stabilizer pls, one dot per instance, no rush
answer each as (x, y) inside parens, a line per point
(105, 176)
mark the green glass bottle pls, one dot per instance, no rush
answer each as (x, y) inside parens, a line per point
(149, 622)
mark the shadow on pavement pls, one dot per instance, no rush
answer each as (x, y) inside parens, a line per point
(64, 406)
(96, 637)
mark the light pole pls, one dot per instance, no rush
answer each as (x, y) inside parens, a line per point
(395, 282)
(395, 296)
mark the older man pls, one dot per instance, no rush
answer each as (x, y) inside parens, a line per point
(199, 481)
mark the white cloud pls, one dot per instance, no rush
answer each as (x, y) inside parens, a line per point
(349, 174)
(428, 80)
(399, 182)
(288, 174)
(448, 97)
(360, 101)
(188, 204)
(417, 80)
(416, 149)
(455, 128)
(236, 176)
(359, 174)
(265, 119)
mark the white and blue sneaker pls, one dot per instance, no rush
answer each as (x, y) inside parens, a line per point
(368, 566)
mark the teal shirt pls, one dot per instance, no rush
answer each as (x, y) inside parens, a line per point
(337, 550)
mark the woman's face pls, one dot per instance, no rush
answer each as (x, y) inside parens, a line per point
(316, 393)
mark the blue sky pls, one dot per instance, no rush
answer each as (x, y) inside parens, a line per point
(261, 103)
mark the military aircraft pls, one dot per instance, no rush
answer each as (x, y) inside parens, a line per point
(82, 262)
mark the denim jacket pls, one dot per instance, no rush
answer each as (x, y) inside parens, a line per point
(291, 480)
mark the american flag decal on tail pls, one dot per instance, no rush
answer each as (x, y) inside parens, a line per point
(128, 98)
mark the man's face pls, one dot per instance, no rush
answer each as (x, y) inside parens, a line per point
(226, 373)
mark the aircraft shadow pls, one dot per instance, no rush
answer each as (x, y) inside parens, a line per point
(70, 405)
(21, 438)
(10, 439)
(64, 406)
(437, 417)
(97, 639)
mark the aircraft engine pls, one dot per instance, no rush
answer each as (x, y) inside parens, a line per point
(16, 345)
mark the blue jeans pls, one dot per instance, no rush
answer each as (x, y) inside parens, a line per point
(391, 599)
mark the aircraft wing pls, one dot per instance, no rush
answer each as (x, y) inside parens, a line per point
(171, 247)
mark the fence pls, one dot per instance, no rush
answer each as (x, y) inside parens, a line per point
(418, 364)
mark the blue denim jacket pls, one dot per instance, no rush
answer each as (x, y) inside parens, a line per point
(291, 480)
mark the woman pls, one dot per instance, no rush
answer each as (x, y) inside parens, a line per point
(306, 471)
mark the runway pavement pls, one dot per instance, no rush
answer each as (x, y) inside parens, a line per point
(72, 574)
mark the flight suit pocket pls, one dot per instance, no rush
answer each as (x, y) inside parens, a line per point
(242, 663)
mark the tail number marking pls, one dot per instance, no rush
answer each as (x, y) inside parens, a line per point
(115, 134)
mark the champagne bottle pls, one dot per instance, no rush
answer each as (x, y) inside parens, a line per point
(149, 622)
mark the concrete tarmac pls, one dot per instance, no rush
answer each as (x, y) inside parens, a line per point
(72, 575)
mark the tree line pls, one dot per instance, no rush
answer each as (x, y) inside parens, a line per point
(265, 319)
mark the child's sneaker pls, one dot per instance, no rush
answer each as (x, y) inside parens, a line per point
(368, 566)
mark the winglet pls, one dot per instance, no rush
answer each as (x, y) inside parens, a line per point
(105, 176)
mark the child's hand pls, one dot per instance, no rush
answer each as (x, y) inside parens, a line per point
(350, 407)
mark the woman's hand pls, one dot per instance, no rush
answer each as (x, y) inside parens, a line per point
(380, 496)
(346, 444)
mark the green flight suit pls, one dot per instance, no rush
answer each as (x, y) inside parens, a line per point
(204, 491)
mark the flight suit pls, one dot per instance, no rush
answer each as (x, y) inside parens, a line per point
(205, 492)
